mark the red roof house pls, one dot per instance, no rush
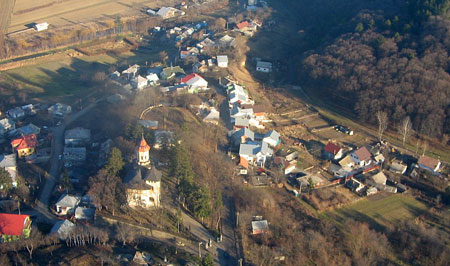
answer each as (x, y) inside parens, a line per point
(429, 163)
(13, 226)
(25, 145)
(333, 151)
(362, 156)
(243, 162)
(243, 24)
(195, 82)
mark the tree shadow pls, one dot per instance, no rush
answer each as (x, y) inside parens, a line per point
(68, 80)
(360, 217)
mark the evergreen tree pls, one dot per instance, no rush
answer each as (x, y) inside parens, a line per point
(5, 181)
(359, 27)
(200, 202)
(208, 260)
(115, 162)
(181, 166)
(65, 183)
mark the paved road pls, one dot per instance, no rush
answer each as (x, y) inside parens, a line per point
(57, 149)
(223, 252)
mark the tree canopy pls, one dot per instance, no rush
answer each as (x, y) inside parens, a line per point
(5, 181)
(115, 162)
(107, 190)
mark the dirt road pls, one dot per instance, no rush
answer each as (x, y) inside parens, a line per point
(7, 7)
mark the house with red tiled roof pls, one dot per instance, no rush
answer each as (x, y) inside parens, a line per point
(25, 145)
(429, 163)
(333, 151)
(195, 82)
(243, 25)
(14, 226)
(362, 156)
(243, 162)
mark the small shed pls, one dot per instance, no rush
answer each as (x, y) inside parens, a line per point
(41, 26)
(379, 178)
(259, 227)
(222, 61)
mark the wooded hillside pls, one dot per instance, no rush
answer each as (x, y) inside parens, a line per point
(392, 62)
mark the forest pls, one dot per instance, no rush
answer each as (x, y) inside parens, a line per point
(393, 58)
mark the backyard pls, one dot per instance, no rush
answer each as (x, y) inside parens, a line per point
(380, 211)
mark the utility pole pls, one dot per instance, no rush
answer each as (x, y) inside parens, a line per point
(199, 250)
(237, 219)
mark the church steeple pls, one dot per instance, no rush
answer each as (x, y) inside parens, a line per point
(143, 152)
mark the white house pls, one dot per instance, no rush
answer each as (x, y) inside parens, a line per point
(139, 82)
(9, 163)
(379, 178)
(255, 153)
(6, 124)
(41, 26)
(347, 163)
(262, 66)
(212, 116)
(151, 11)
(237, 112)
(333, 151)
(66, 203)
(152, 79)
(362, 156)
(222, 61)
(195, 82)
(131, 71)
(60, 109)
(272, 138)
(168, 12)
(429, 163)
(398, 167)
(238, 95)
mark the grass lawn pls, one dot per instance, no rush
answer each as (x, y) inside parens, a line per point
(54, 78)
(61, 76)
(379, 211)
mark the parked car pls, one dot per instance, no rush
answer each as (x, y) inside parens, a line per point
(343, 129)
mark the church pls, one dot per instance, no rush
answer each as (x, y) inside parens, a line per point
(142, 181)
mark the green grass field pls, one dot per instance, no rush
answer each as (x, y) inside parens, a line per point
(53, 78)
(379, 212)
(62, 76)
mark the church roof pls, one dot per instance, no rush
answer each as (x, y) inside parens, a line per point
(138, 175)
(143, 146)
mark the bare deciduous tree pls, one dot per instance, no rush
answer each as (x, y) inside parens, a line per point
(424, 147)
(405, 128)
(382, 120)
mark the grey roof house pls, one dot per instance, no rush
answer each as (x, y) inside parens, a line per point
(63, 229)
(16, 113)
(60, 109)
(77, 136)
(29, 130)
(6, 124)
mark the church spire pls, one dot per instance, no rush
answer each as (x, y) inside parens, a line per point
(143, 152)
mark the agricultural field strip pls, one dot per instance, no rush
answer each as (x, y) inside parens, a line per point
(7, 7)
(89, 10)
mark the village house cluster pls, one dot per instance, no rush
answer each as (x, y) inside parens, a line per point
(22, 139)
